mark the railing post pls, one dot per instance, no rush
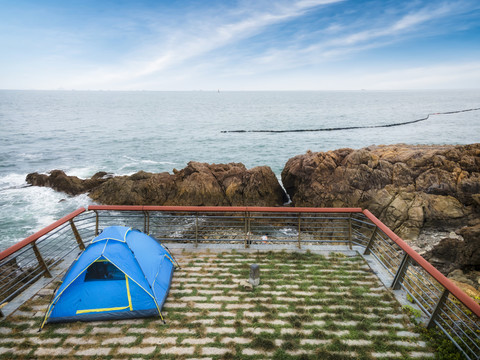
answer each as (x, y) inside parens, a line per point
(96, 222)
(350, 231)
(81, 245)
(247, 230)
(196, 229)
(299, 230)
(438, 307)
(402, 269)
(371, 241)
(40, 260)
(145, 222)
(148, 222)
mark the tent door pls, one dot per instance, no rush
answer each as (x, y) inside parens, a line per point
(116, 308)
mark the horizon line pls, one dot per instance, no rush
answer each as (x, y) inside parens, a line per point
(257, 90)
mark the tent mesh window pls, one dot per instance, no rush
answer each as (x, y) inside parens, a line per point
(103, 270)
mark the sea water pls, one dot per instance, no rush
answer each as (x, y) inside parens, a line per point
(124, 132)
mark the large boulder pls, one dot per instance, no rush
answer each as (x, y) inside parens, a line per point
(406, 186)
(444, 255)
(469, 254)
(72, 185)
(197, 184)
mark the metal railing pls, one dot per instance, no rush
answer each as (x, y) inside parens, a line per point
(25, 262)
(455, 313)
(445, 305)
(247, 225)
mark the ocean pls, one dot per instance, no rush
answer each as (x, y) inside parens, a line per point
(83, 132)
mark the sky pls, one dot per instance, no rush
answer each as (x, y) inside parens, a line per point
(239, 45)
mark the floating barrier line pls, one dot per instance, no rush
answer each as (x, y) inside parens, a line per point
(351, 127)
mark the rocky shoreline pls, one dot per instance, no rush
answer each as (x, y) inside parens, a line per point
(198, 184)
(416, 190)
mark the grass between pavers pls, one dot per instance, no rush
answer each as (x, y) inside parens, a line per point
(307, 306)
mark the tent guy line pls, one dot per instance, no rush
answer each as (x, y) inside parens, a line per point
(351, 127)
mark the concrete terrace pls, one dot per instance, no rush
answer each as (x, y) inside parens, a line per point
(319, 305)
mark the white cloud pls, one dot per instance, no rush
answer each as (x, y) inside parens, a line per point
(464, 75)
(405, 25)
(441, 76)
(190, 43)
(344, 39)
(235, 47)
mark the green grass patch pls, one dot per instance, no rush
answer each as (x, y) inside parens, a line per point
(263, 343)
(285, 274)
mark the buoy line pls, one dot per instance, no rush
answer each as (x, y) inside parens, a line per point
(351, 127)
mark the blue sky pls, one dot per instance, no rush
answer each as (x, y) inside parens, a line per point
(239, 45)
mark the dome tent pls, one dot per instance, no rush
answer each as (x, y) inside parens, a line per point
(122, 274)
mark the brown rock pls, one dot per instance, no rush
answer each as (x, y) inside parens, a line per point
(444, 256)
(60, 181)
(436, 181)
(408, 187)
(197, 184)
(460, 276)
(469, 255)
(460, 259)
(469, 290)
(132, 190)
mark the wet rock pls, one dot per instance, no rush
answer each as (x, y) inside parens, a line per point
(72, 185)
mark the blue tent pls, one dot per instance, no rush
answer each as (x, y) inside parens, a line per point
(122, 274)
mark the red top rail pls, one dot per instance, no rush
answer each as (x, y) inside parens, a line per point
(222, 209)
(437, 275)
(38, 234)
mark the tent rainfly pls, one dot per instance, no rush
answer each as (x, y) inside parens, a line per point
(122, 274)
